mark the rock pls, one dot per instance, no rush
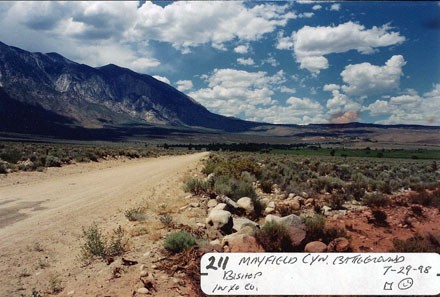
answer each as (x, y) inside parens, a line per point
(249, 230)
(296, 235)
(215, 242)
(239, 223)
(212, 203)
(295, 204)
(210, 177)
(194, 204)
(291, 196)
(304, 195)
(143, 273)
(326, 210)
(71, 293)
(270, 208)
(310, 202)
(264, 202)
(220, 206)
(288, 221)
(247, 204)
(143, 291)
(241, 243)
(201, 225)
(315, 247)
(340, 244)
(220, 219)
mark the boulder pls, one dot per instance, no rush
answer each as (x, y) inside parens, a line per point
(264, 202)
(212, 203)
(340, 244)
(315, 247)
(249, 230)
(246, 204)
(220, 219)
(296, 235)
(242, 243)
(239, 223)
(220, 206)
(326, 210)
(270, 208)
(288, 221)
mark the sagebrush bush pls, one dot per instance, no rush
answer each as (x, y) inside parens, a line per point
(196, 186)
(3, 167)
(415, 244)
(179, 241)
(273, 237)
(98, 245)
(380, 217)
(315, 226)
(52, 161)
(135, 214)
(375, 199)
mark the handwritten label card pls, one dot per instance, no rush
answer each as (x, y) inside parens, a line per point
(320, 274)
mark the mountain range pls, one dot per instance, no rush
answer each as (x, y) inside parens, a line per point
(50, 95)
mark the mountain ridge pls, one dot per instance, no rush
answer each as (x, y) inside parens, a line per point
(84, 99)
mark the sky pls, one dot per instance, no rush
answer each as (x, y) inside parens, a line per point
(278, 62)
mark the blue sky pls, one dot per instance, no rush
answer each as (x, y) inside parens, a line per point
(279, 62)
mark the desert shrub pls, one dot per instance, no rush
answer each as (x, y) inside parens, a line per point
(11, 155)
(415, 244)
(355, 191)
(380, 217)
(196, 186)
(52, 161)
(334, 232)
(327, 183)
(98, 245)
(266, 186)
(375, 199)
(134, 214)
(273, 237)
(314, 226)
(336, 201)
(422, 198)
(167, 220)
(179, 241)
(417, 210)
(234, 188)
(3, 167)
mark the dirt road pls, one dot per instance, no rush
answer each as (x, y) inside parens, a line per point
(42, 214)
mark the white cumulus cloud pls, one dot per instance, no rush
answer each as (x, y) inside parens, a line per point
(184, 85)
(243, 61)
(365, 79)
(242, 49)
(335, 7)
(311, 44)
(408, 108)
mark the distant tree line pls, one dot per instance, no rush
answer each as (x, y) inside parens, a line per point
(241, 147)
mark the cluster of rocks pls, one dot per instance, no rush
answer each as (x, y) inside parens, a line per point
(239, 232)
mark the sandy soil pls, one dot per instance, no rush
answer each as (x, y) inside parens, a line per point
(42, 216)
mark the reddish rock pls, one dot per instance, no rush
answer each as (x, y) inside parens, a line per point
(242, 243)
(315, 247)
(340, 244)
(296, 235)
